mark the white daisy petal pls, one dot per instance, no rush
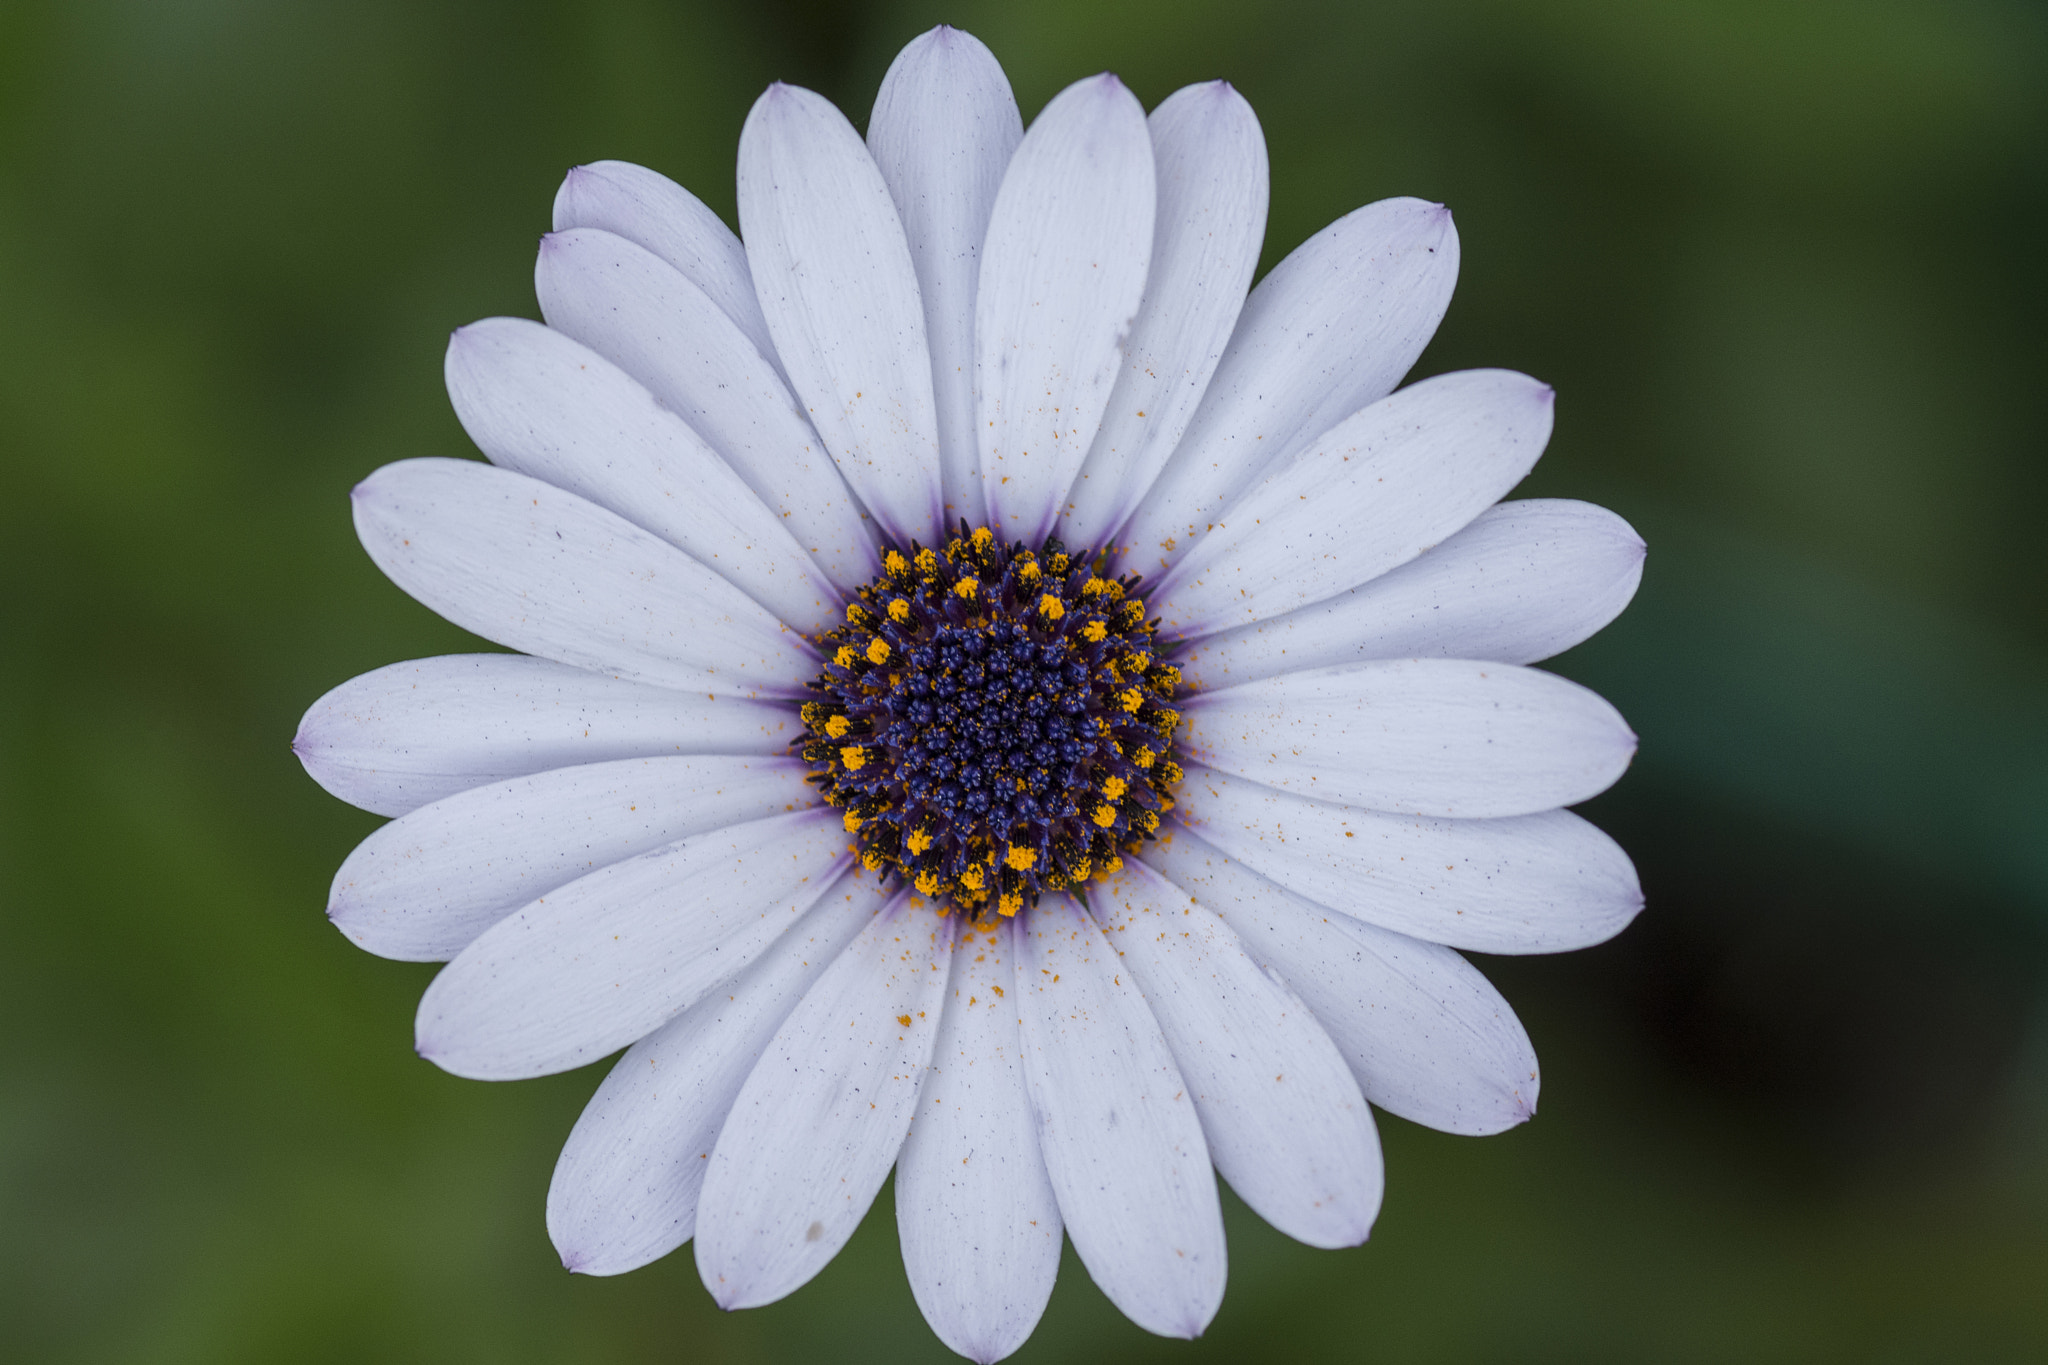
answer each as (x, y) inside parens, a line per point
(407, 734)
(1331, 329)
(1526, 884)
(609, 958)
(1427, 1035)
(1283, 1116)
(626, 1186)
(833, 273)
(640, 313)
(1523, 582)
(942, 131)
(540, 404)
(424, 886)
(975, 1209)
(819, 1121)
(540, 570)
(653, 211)
(1384, 486)
(1062, 275)
(1420, 736)
(1211, 220)
(1118, 1128)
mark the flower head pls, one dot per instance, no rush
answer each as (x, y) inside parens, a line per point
(992, 699)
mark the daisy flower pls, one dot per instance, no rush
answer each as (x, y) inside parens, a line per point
(993, 699)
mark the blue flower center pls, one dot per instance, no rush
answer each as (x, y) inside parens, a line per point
(994, 722)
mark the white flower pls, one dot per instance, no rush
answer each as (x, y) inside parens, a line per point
(717, 479)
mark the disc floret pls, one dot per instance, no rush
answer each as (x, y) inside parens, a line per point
(994, 722)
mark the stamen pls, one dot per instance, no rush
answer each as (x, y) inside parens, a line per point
(992, 722)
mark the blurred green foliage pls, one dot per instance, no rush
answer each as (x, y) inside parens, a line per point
(1782, 258)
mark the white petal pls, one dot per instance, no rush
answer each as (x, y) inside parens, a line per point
(1428, 1037)
(543, 571)
(637, 311)
(975, 1210)
(1211, 220)
(1527, 884)
(1526, 580)
(1331, 328)
(543, 405)
(424, 886)
(820, 1120)
(1062, 275)
(1384, 486)
(1284, 1119)
(1118, 1128)
(942, 132)
(609, 958)
(653, 211)
(1421, 736)
(625, 1189)
(406, 734)
(834, 276)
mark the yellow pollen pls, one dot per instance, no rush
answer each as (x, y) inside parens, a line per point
(1115, 788)
(927, 563)
(854, 757)
(1113, 866)
(1144, 758)
(844, 658)
(1093, 586)
(1138, 663)
(971, 879)
(928, 882)
(982, 537)
(852, 822)
(871, 860)
(878, 651)
(1113, 590)
(899, 611)
(1053, 608)
(1028, 571)
(1094, 631)
(1105, 815)
(966, 588)
(1130, 700)
(918, 841)
(1081, 869)
(894, 562)
(837, 726)
(1010, 903)
(1023, 859)
(855, 613)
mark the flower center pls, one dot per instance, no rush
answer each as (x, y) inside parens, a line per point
(994, 722)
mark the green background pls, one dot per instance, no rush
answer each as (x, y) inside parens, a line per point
(1784, 263)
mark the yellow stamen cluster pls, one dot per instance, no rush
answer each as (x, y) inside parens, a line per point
(992, 720)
